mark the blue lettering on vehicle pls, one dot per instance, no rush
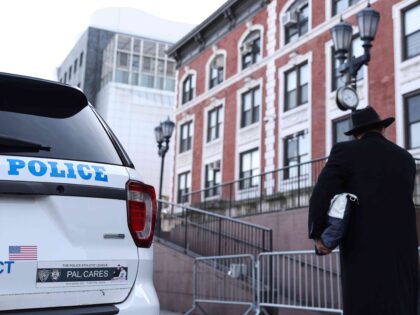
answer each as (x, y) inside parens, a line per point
(54, 169)
(70, 170)
(82, 173)
(100, 173)
(6, 266)
(55, 172)
(15, 166)
(37, 168)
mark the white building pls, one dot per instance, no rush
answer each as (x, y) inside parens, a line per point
(120, 63)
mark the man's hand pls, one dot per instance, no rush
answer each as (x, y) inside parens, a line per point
(322, 249)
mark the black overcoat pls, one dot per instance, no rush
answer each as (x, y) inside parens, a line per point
(379, 256)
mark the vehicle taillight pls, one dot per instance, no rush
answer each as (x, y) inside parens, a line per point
(141, 204)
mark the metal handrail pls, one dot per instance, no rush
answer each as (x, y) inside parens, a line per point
(216, 215)
(203, 233)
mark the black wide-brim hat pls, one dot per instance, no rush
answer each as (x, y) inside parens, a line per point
(367, 118)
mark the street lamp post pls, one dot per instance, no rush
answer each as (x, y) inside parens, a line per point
(342, 33)
(163, 134)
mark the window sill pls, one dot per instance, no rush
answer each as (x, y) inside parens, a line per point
(254, 65)
(247, 190)
(249, 127)
(299, 39)
(291, 112)
(212, 198)
(211, 88)
(404, 64)
(185, 153)
(188, 102)
(213, 142)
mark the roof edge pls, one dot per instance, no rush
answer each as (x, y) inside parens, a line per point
(201, 26)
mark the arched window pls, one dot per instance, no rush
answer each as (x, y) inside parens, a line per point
(296, 20)
(217, 70)
(188, 87)
(251, 49)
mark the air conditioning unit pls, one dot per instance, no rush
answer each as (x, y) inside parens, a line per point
(215, 166)
(246, 48)
(289, 18)
(219, 63)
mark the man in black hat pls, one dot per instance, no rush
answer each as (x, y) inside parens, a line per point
(379, 256)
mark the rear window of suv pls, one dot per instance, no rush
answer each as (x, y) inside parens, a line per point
(79, 137)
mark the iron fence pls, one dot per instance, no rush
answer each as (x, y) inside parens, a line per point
(209, 234)
(286, 188)
(224, 280)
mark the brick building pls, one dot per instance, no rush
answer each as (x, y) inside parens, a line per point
(256, 89)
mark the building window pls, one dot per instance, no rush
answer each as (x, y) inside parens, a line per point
(340, 126)
(411, 32)
(296, 20)
(135, 68)
(217, 71)
(184, 187)
(356, 49)
(250, 107)
(339, 6)
(188, 87)
(81, 59)
(213, 179)
(249, 169)
(123, 62)
(214, 123)
(186, 137)
(412, 104)
(296, 86)
(70, 73)
(75, 66)
(251, 49)
(296, 152)
(65, 77)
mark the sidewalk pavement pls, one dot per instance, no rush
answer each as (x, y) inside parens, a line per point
(163, 312)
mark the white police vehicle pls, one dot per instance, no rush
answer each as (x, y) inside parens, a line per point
(76, 222)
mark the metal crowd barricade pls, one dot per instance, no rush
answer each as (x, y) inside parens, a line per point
(290, 280)
(299, 280)
(224, 280)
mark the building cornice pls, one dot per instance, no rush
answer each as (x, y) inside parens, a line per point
(216, 26)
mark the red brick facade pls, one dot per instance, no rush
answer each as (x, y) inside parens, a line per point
(379, 85)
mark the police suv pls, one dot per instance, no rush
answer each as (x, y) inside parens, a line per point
(76, 222)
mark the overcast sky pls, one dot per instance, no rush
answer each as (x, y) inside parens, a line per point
(36, 35)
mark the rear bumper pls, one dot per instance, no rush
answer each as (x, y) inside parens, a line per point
(143, 298)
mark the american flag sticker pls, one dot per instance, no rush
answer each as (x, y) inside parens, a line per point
(23, 252)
